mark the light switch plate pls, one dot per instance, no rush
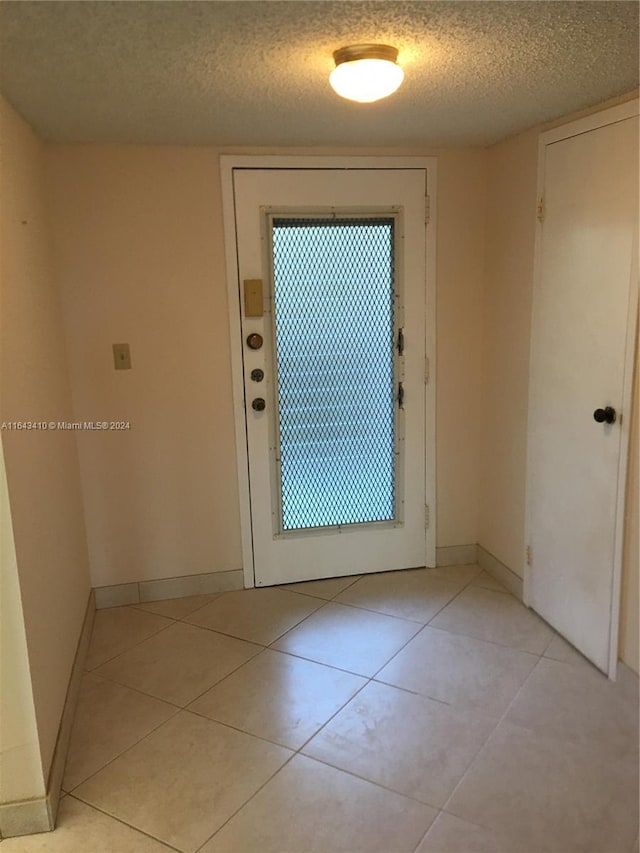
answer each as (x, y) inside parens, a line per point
(121, 357)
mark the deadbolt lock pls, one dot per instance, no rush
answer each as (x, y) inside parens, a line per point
(254, 341)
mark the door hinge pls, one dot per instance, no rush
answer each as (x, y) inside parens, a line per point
(427, 368)
(427, 516)
(540, 213)
(427, 210)
(400, 341)
(529, 555)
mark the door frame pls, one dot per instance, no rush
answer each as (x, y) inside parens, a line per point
(621, 112)
(230, 162)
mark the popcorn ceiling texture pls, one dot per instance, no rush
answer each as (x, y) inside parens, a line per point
(255, 73)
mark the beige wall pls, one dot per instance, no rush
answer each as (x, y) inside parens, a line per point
(21, 776)
(630, 610)
(462, 183)
(139, 250)
(506, 320)
(42, 466)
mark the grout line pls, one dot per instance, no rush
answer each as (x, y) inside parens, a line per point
(482, 640)
(255, 793)
(453, 707)
(233, 728)
(120, 754)
(111, 680)
(378, 612)
(332, 717)
(287, 587)
(114, 680)
(369, 782)
(489, 737)
(124, 823)
(494, 642)
(417, 634)
(128, 649)
(317, 662)
(150, 612)
(141, 605)
(220, 681)
(256, 642)
(220, 632)
(321, 663)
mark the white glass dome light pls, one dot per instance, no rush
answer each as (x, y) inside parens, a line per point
(366, 72)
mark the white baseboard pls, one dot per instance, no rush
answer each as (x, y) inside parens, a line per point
(456, 555)
(500, 572)
(39, 815)
(159, 590)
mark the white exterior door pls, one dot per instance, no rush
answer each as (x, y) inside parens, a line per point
(331, 275)
(582, 339)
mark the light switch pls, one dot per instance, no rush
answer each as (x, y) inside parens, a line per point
(121, 357)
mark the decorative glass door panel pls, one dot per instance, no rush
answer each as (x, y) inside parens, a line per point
(334, 300)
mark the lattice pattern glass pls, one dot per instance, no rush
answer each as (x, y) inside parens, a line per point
(334, 319)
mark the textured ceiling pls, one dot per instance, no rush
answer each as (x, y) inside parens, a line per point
(255, 73)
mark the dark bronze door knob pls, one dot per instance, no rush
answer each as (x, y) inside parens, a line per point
(605, 416)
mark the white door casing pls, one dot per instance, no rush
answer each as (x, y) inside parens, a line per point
(252, 189)
(584, 312)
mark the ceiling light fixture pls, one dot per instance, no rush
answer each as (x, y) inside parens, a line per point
(366, 72)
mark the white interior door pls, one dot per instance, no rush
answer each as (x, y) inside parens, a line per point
(581, 359)
(335, 394)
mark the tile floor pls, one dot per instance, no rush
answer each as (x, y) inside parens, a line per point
(425, 711)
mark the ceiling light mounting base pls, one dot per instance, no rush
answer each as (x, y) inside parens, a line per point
(365, 51)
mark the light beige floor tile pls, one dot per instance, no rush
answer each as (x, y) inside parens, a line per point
(560, 649)
(485, 580)
(183, 781)
(311, 808)
(414, 594)
(457, 574)
(180, 663)
(109, 719)
(580, 704)
(118, 629)
(450, 834)
(495, 617)
(176, 608)
(459, 670)
(279, 697)
(81, 829)
(408, 743)
(356, 640)
(552, 796)
(326, 588)
(258, 615)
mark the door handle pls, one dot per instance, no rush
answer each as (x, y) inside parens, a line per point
(605, 416)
